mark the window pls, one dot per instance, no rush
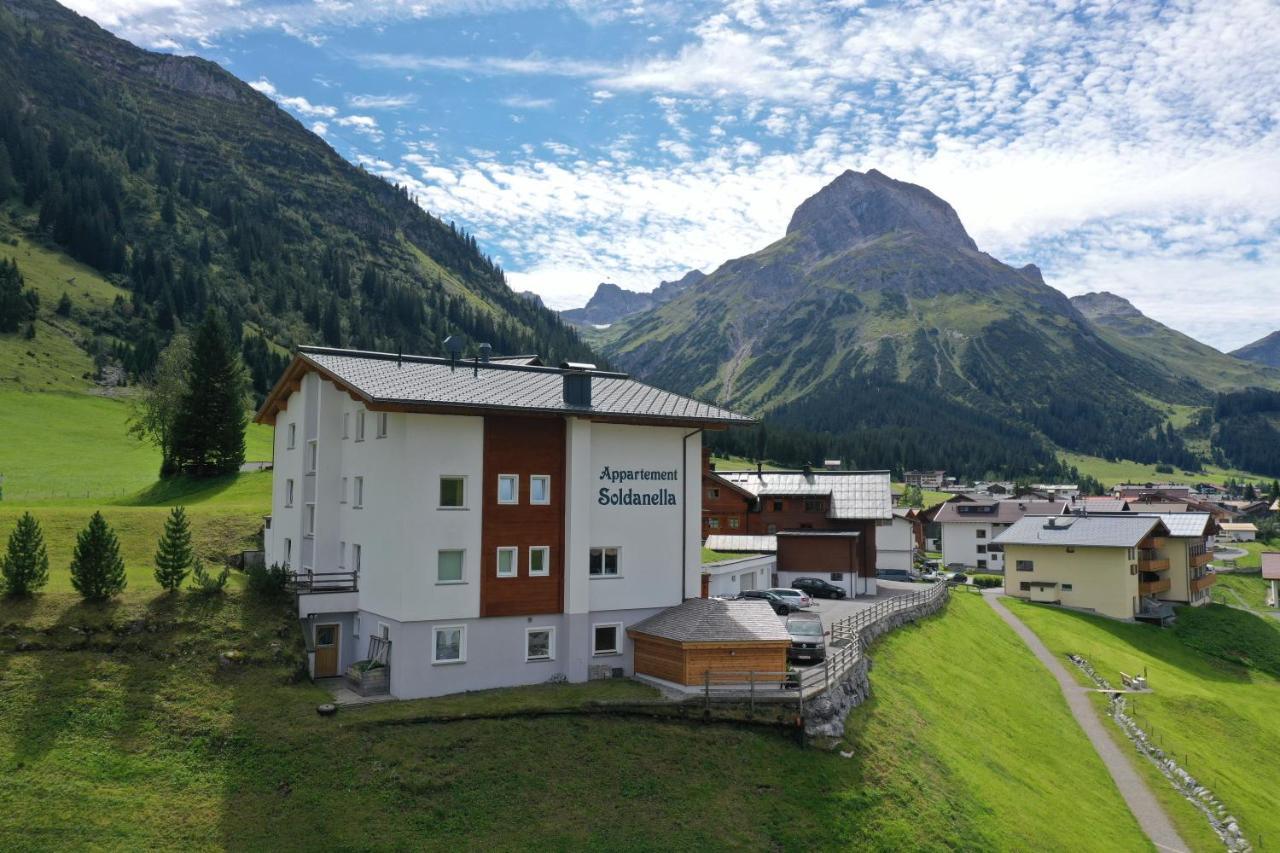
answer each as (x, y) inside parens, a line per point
(1025, 586)
(1066, 587)
(346, 424)
(342, 558)
(1071, 549)
(814, 505)
(733, 523)
(292, 433)
(381, 425)
(606, 639)
(384, 630)
(288, 492)
(508, 489)
(355, 626)
(982, 564)
(982, 534)
(453, 493)
(358, 496)
(539, 644)
(360, 425)
(1026, 566)
(837, 576)
(771, 529)
(342, 492)
(540, 489)
(313, 456)
(1133, 553)
(449, 644)
(449, 566)
(777, 506)
(604, 561)
(713, 523)
(540, 561)
(982, 549)
(355, 558)
(713, 493)
(507, 558)
(311, 519)
(288, 551)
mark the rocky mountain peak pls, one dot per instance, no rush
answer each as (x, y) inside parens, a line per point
(1104, 305)
(1264, 351)
(860, 206)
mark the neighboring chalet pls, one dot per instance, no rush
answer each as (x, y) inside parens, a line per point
(930, 480)
(898, 543)
(969, 528)
(1126, 565)
(486, 523)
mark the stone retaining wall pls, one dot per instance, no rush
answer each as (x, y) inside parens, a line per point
(824, 716)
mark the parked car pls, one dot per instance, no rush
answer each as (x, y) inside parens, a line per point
(780, 605)
(798, 598)
(818, 588)
(907, 575)
(807, 640)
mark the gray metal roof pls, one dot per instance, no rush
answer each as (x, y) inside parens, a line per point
(1000, 512)
(835, 534)
(853, 494)
(497, 385)
(1180, 524)
(714, 620)
(732, 543)
(1094, 531)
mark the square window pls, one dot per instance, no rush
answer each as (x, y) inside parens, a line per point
(713, 493)
(358, 496)
(713, 523)
(606, 639)
(382, 425)
(603, 562)
(982, 534)
(982, 549)
(292, 433)
(342, 492)
(449, 566)
(540, 489)
(1026, 566)
(508, 489)
(355, 558)
(777, 506)
(453, 492)
(449, 644)
(360, 425)
(1025, 586)
(733, 523)
(507, 558)
(288, 492)
(539, 644)
(982, 564)
(539, 561)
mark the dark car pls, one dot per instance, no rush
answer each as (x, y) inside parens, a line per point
(781, 607)
(808, 642)
(818, 588)
(898, 575)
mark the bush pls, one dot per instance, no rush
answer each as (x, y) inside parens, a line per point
(268, 581)
(205, 583)
(988, 581)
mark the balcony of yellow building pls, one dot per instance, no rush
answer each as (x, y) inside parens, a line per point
(1203, 582)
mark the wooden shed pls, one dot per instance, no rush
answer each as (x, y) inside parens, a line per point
(682, 643)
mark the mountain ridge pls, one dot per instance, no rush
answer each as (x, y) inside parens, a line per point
(611, 303)
(1265, 350)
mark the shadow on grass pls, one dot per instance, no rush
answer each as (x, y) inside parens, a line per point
(1150, 641)
(180, 490)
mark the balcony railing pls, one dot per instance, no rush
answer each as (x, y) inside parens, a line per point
(1154, 587)
(1200, 556)
(321, 582)
(1203, 582)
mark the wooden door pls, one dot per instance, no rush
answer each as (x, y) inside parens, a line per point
(326, 651)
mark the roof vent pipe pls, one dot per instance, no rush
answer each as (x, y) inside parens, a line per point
(453, 346)
(486, 350)
(577, 384)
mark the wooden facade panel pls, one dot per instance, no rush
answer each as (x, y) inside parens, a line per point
(657, 658)
(523, 447)
(819, 554)
(688, 663)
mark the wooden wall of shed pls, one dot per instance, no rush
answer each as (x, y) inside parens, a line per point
(687, 663)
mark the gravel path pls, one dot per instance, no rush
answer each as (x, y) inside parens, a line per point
(1151, 817)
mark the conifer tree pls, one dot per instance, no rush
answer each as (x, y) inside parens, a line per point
(173, 552)
(25, 565)
(209, 428)
(97, 572)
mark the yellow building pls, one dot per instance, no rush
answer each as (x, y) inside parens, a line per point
(1123, 565)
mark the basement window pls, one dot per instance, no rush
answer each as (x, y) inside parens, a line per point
(539, 644)
(449, 644)
(606, 639)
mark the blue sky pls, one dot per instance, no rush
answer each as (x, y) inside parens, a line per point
(1131, 147)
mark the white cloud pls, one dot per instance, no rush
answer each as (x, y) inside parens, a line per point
(381, 102)
(319, 128)
(366, 125)
(521, 102)
(299, 105)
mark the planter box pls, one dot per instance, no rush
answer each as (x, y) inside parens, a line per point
(369, 682)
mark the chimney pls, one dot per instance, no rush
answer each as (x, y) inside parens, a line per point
(577, 383)
(453, 346)
(1053, 523)
(486, 350)
(706, 584)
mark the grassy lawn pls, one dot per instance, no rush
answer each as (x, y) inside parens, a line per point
(930, 498)
(1124, 471)
(1249, 590)
(1216, 715)
(1252, 560)
(709, 556)
(132, 739)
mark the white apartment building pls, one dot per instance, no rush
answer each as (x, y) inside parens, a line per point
(497, 522)
(969, 526)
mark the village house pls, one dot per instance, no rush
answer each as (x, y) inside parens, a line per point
(481, 523)
(898, 543)
(1125, 565)
(930, 480)
(969, 528)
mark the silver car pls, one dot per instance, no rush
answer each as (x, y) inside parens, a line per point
(808, 641)
(797, 598)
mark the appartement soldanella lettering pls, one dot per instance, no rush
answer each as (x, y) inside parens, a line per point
(621, 475)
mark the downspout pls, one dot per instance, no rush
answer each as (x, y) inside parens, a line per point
(684, 514)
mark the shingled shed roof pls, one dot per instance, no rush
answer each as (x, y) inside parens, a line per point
(424, 383)
(853, 494)
(714, 620)
(1094, 531)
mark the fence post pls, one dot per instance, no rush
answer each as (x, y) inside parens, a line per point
(751, 682)
(706, 678)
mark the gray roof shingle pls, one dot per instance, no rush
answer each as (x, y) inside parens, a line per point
(1000, 512)
(498, 385)
(853, 494)
(1094, 531)
(714, 620)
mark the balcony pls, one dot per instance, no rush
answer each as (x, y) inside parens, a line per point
(1200, 557)
(1149, 560)
(1154, 587)
(1203, 582)
(325, 592)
